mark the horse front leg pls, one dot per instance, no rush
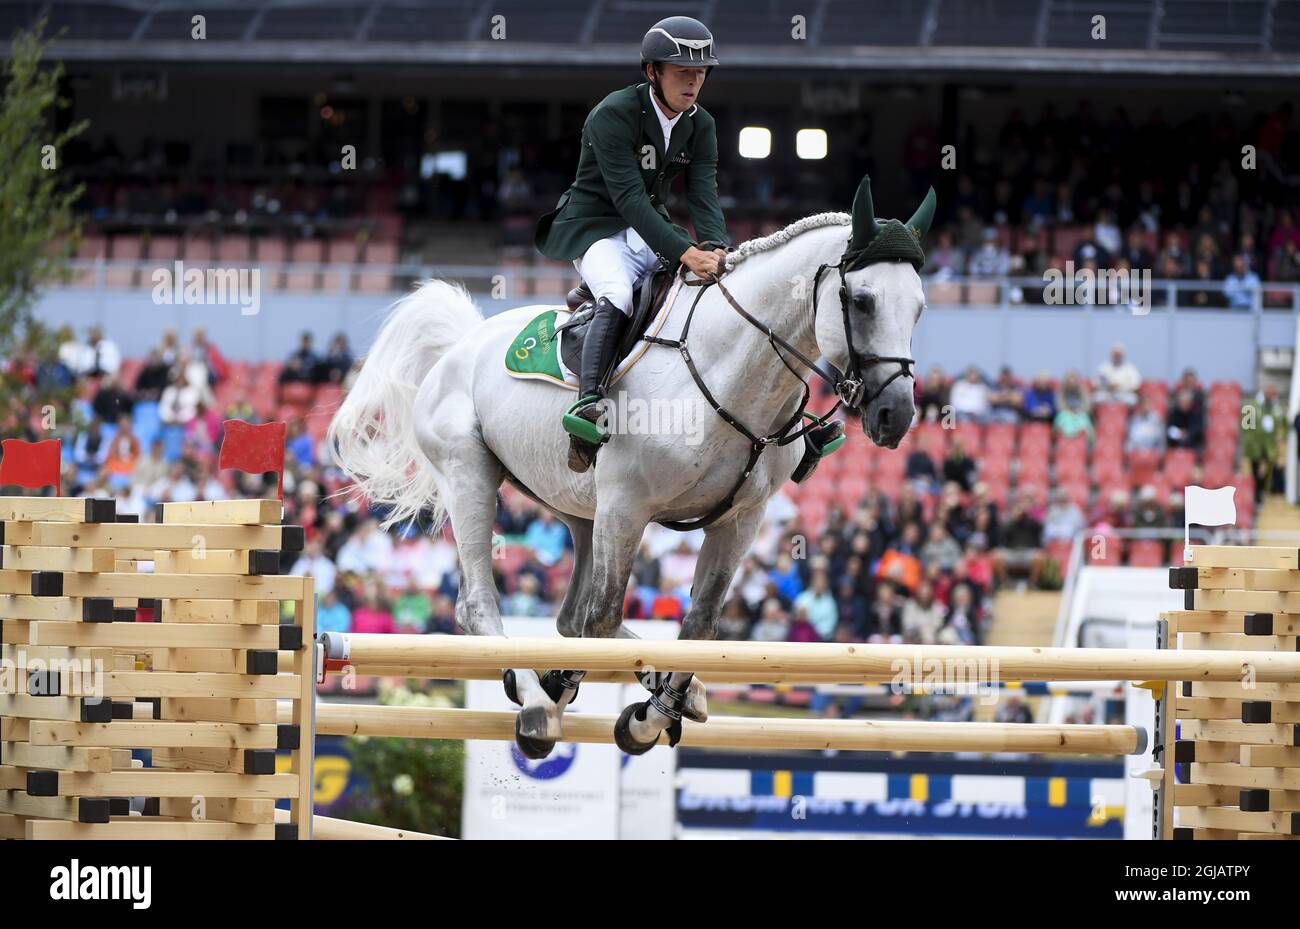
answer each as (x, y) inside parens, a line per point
(678, 693)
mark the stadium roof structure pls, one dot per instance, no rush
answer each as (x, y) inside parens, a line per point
(926, 37)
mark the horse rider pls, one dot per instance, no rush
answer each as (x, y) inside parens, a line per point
(612, 221)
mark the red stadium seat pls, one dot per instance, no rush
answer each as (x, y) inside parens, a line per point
(1142, 465)
(1147, 553)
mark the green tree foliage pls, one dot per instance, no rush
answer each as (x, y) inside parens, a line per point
(38, 231)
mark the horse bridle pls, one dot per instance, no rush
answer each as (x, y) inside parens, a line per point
(849, 386)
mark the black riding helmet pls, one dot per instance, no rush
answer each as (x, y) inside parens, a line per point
(678, 40)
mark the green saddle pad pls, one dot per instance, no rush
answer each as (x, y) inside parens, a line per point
(535, 352)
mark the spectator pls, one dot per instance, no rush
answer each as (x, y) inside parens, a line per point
(934, 395)
(176, 486)
(90, 451)
(332, 615)
(525, 601)
(1263, 430)
(336, 363)
(970, 397)
(920, 466)
(785, 575)
(773, 624)
(667, 605)
(152, 468)
(414, 608)
(1186, 424)
(207, 354)
(153, 377)
(547, 537)
(940, 549)
(733, 624)
(1117, 378)
(1006, 399)
(960, 625)
(819, 606)
(123, 454)
(923, 616)
(300, 367)
(884, 617)
(1040, 400)
(1146, 430)
(901, 563)
(1072, 419)
(991, 259)
(1073, 389)
(1148, 514)
(801, 627)
(71, 353)
(958, 467)
(111, 402)
(1063, 520)
(1189, 383)
(367, 551)
(946, 261)
(443, 621)
(1241, 287)
(180, 400)
(100, 356)
(299, 443)
(1013, 710)
(314, 563)
(372, 616)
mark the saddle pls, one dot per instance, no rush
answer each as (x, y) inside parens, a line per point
(646, 301)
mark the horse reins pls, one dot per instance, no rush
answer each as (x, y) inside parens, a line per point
(849, 387)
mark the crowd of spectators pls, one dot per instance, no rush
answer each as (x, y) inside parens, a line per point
(919, 565)
(1106, 193)
(1066, 406)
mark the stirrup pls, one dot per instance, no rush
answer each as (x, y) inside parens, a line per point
(819, 442)
(582, 427)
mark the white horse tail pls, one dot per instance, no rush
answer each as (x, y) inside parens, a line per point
(373, 432)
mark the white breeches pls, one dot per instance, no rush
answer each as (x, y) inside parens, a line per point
(612, 267)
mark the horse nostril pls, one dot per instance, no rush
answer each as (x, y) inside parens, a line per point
(882, 420)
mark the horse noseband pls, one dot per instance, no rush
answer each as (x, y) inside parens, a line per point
(851, 385)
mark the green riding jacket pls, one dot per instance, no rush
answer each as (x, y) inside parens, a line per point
(624, 175)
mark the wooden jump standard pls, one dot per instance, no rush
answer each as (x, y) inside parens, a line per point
(744, 732)
(821, 662)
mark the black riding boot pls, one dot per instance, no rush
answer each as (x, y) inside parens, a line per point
(582, 419)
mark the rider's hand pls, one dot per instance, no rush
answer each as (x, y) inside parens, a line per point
(704, 263)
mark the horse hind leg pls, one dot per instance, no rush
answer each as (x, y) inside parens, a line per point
(468, 476)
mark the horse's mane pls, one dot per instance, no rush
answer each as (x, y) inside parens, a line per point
(768, 242)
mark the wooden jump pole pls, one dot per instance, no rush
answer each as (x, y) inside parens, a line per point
(745, 732)
(793, 662)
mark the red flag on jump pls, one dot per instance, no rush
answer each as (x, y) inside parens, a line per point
(255, 449)
(30, 464)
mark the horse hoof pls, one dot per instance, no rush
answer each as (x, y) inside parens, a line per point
(623, 732)
(531, 747)
(512, 687)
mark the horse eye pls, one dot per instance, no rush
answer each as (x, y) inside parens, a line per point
(864, 303)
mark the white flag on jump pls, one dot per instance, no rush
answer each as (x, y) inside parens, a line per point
(1206, 507)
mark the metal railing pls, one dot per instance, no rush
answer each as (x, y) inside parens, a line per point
(1021, 294)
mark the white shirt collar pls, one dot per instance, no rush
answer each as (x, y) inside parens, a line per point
(665, 123)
